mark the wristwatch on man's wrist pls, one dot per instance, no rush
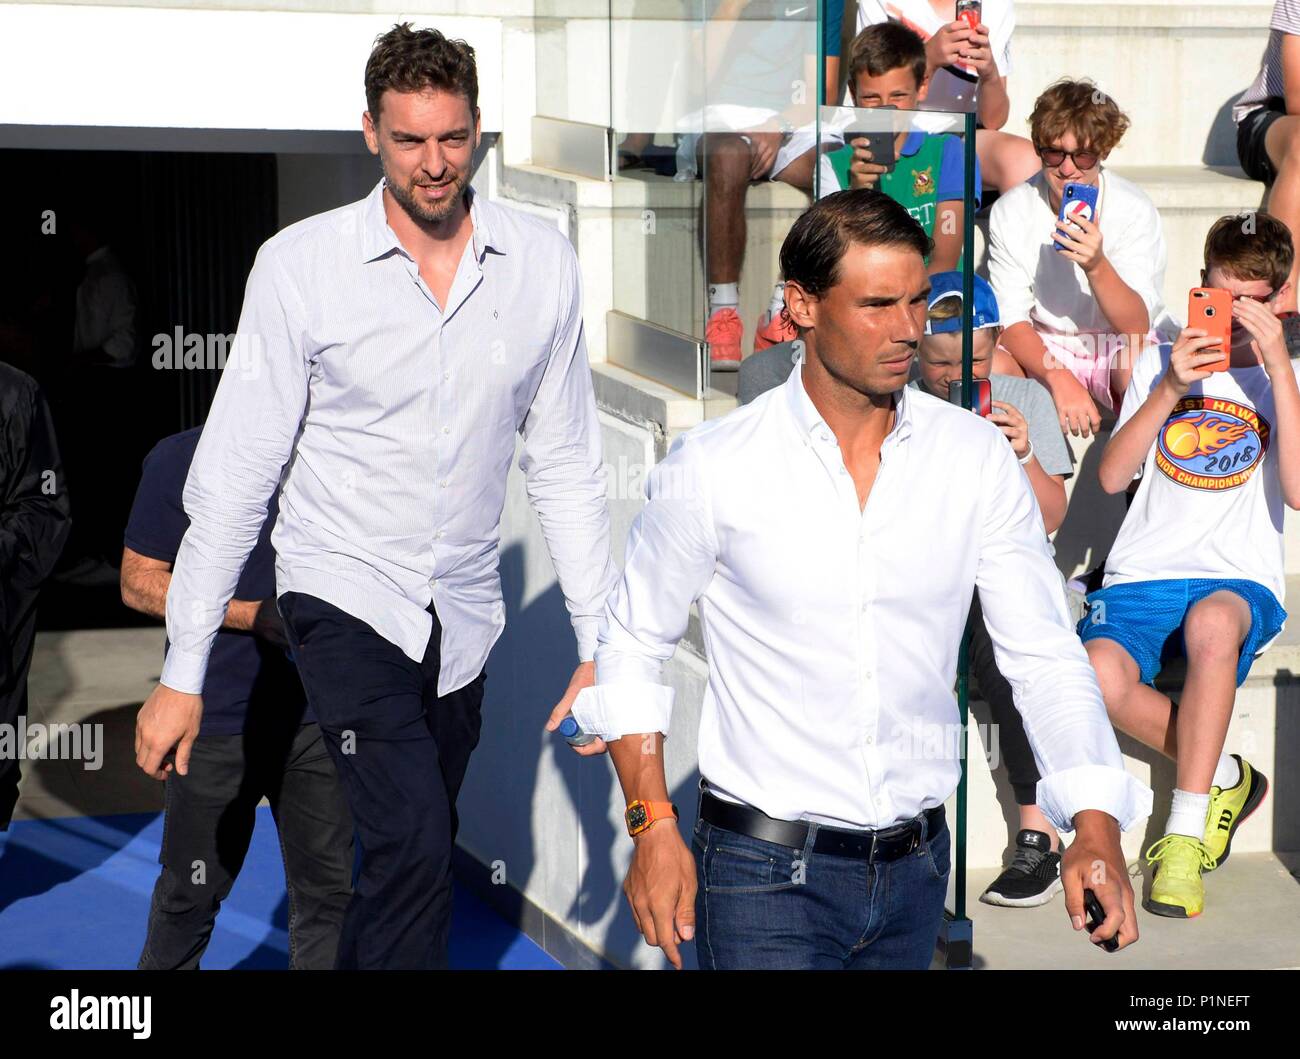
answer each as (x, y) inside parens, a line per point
(640, 815)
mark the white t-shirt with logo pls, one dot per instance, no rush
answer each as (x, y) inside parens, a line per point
(954, 87)
(1210, 503)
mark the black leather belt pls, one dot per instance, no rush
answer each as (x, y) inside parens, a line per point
(874, 846)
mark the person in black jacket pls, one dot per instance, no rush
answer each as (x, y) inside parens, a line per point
(34, 524)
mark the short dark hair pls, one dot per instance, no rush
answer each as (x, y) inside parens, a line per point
(1251, 246)
(818, 239)
(411, 60)
(883, 47)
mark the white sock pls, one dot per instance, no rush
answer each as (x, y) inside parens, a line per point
(1227, 773)
(723, 296)
(778, 300)
(1187, 814)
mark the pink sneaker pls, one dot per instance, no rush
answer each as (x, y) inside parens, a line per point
(723, 332)
(774, 329)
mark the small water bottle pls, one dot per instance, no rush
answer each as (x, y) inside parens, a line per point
(573, 735)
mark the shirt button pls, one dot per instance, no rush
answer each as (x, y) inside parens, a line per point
(446, 375)
(441, 534)
(443, 483)
(446, 430)
(871, 739)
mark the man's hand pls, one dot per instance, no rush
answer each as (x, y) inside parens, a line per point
(1095, 862)
(763, 147)
(863, 172)
(1075, 407)
(1265, 330)
(268, 624)
(168, 720)
(1188, 358)
(583, 677)
(660, 886)
(1013, 426)
(1081, 239)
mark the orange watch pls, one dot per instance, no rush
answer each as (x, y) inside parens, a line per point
(640, 815)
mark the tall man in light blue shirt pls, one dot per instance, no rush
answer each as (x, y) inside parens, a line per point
(387, 355)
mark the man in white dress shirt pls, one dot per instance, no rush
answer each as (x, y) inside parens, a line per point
(833, 532)
(387, 355)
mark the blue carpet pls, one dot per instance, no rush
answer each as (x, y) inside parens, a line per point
(74, 894)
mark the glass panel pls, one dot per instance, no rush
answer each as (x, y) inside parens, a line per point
(708, 97)
(572, 59)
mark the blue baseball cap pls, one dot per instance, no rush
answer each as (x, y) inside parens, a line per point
(945, 285)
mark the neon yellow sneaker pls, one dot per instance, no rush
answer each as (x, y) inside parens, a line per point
(1229, 808)
(1177, 890)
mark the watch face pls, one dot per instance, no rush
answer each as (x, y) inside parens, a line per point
(636, 817)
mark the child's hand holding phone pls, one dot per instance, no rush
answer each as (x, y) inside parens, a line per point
(978, 55)
(1013, 424)
(864, 170)
(1188, 363)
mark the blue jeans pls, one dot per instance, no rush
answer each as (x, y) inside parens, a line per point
(763, 906)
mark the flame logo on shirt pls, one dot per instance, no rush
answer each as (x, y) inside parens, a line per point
(1211, 444)
(1203, 436)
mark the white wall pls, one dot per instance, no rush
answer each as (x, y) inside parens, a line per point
(207, 69)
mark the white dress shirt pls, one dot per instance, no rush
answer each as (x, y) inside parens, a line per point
(389, 421)
(1038, 284)
(832, 631)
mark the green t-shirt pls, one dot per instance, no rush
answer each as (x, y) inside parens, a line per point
(918, 181)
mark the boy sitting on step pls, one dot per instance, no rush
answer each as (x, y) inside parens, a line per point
(1197, 567)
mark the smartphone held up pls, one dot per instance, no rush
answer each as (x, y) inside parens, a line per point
(1210, 309)
(970, 12)
(1077, 201)
(981, 394)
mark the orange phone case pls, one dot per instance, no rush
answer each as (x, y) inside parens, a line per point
(1210, 309)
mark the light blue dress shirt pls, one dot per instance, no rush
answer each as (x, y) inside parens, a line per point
(388, 422)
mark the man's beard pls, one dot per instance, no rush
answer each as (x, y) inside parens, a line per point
(426, 212)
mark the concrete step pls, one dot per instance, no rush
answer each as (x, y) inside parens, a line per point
(1174, 68)
(1246, 900)
(655, 224)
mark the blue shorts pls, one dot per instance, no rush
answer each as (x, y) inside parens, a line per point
(1146, 619)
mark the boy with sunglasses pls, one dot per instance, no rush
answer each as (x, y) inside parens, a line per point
(1077, 297)
(1198, 565)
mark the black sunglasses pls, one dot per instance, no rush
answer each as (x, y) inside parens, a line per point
(1054, 156)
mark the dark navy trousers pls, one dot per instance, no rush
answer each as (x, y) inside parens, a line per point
(401, 752)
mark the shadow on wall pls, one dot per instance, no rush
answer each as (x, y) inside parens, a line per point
(1092, 518)
(1286, 763)
(1221, 143)
(568, 854)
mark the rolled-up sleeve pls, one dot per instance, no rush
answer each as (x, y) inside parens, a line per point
(248, 438)
(671, 557)
(564, 470)
(1043, 660)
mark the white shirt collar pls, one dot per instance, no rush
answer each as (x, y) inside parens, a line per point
(808, 420)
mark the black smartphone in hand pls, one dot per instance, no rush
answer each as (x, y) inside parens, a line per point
(1097, 916)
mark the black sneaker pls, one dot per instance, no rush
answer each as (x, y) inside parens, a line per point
(1034, 877)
